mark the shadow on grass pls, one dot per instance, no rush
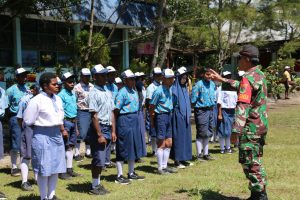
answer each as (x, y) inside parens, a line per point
(15, 184)
(29, 197)
(109, 178)
(147, 168)
(79, 187)
(206, 194)
(5, 170)
(85, 166)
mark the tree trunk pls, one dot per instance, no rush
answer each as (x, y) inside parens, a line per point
(87, 55)
(158, 31)
(167, 44)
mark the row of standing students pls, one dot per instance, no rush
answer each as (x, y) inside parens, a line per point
(62, 126)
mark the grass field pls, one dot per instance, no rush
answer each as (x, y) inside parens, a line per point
(219, 179)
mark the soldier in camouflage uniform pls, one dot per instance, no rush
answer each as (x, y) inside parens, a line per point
(251, 120)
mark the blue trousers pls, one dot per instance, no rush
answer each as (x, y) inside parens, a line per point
(15, 133)
(84, 125)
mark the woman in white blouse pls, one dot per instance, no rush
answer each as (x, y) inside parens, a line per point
(45, 114)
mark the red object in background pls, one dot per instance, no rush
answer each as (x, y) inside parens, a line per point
(146, 48)
(31, 77)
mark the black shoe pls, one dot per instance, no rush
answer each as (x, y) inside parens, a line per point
(2, 196)
(15, 172)
(98, 190)
(187, 164)
(78, 158)
(122, 180)
(179, 165)
(208, 157)
(200, 157)
(26, 186)
(64, 176)
(54, 198)
(88, 156)
(135, 176)
(72, 173)
(162, 172)
(171, 170)
(110, 165)
(151, 154)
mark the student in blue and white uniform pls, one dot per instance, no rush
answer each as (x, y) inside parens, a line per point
(14, 94)
(45, 114)
(227, 99)
(68, 98)
(3, 106)
(26, 137)
(157, 76)
(129, 141)
(161, 107)
(203, 97)
(119, 83)
(181, 150)
(113, 88)
(84, 121)
(101, 106)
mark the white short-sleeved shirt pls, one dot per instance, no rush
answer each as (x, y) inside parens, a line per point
(44, 110)
(151, 88)
(227, 99)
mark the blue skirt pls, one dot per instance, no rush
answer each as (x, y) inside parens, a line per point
(129, 144)
(26, 135)
(142, 130)
(224, 127)
(182, 137)
(48, 151)
(204, 123)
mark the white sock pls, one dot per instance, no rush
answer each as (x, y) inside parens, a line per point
(160, 155)
(77, 149)
(69, 158)
(166, 158)
(227, 142)
(153, 144)
(87, 149)
(95, 182)
(42, 182)
(113, 146)
(120, 167)
(205, 146)
(35, 176)
(222, 143)
(198, 146)
(14, 157)
(52, 181)
(131, 166)
(24, 170)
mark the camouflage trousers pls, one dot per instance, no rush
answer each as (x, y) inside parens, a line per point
(250, 156)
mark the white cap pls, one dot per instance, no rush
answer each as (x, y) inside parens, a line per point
(287, 67)
(85, 71)
(21, 70)
(127, 74)
(99, 69)
(118, 80)
(58, 80)
(182, 70)
(241, 73)
(226, 73)
(168, 73)
(157, 70)
(67, 75)
(110, 69)
(139, 74)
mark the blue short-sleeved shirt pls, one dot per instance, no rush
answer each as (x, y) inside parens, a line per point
(113, 88)
(69, 103)
(127, 100)
(23, 105)
(151, 88)
(3, 102)
(14, 94)
(162, 98)
(100, 100)
(203, 94)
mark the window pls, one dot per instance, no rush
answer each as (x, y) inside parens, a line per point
(64, 58)
(30, 58)
(6, 57)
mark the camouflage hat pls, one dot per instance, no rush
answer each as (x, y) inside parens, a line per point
(249, 51)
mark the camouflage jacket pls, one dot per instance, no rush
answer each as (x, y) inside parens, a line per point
(251, 111)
